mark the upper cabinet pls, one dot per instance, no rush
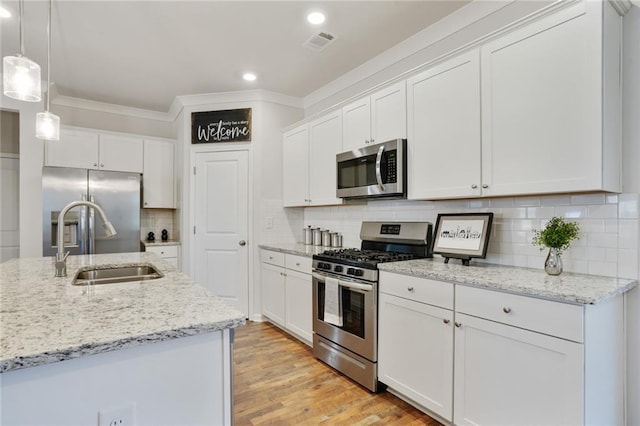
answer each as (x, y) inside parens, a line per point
(551, 104)
(376, 118)
(158, 177)
(309, 162)
(444, 130)
(92, 150)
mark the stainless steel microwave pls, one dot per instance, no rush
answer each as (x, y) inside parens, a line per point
(378, 170)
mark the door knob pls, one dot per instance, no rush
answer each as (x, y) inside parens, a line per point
(242, 243)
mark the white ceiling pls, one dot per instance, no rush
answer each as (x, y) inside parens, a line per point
(145, 53)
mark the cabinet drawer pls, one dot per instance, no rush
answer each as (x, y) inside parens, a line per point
(298, 263)
(421, 290)
(273, 257)
(163, 251)
(544, 316)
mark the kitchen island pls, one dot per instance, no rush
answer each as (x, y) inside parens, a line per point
(158, 351)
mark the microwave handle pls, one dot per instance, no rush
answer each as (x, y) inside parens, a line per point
(378, 169)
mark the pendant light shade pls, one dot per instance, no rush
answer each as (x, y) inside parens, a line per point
(47, 126)
(20, 75)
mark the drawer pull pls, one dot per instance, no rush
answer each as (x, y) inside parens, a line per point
(270, 257)
(446, 321)
(410, 289)
(458, 324)
(297, 263)
(506, 310)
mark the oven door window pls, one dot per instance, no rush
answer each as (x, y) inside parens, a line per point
(361, 171)
(353, 310)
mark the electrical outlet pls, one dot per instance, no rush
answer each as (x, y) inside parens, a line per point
(124, 415)
(268, 222)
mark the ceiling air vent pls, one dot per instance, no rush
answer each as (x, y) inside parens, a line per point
(319, 41)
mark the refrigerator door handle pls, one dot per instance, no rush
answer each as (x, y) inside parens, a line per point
(92, 228)
(83, 236)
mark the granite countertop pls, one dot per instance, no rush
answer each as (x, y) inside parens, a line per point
(44, 319)
(567, 287)
(161, 243)
(298, 249)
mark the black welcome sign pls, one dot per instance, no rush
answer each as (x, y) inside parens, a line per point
(231, 125)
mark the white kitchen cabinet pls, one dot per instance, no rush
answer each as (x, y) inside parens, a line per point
(325, 142)
(170, 253)
(506, 375)
(287, 293)
(415, 356)
(295, 166)
(88, 149)
(551, 104)
(158, 176)
(443, 119)
(376, 118)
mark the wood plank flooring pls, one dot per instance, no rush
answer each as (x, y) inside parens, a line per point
(277, 381)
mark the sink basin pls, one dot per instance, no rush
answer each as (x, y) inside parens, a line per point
(107, 274)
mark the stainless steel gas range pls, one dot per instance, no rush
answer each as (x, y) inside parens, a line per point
(345, 295)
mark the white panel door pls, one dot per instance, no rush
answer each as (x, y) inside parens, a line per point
(509, 376)
(76, 148)
(389, 113)
(221, 224)
(325, 142)
(295, 167)
(356, 119)
(299, 304)
(158, 177)
(121, 153)
(9, 213)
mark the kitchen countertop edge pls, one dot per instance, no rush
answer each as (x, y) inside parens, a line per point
(297, 249)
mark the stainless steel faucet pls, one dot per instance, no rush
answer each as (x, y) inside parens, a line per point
(61, 256)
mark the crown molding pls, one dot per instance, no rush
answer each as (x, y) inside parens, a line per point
(257, 95)
(622, 6)
(71, 102)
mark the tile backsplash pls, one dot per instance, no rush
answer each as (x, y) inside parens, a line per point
(155, 220)
(608, 243)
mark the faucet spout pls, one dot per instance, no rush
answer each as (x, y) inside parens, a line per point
(61, 256)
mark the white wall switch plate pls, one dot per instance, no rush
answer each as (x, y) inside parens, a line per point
(124, 415)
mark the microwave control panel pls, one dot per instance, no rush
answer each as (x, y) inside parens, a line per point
(392, 167)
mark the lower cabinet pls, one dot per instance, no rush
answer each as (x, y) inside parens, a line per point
(499, 358)
(286, 293)
(167, 252)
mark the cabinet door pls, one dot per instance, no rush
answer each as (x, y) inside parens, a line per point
(325, 142)
(506, 375)
(356, 124)
(158, 178)
(299, 304)
(121, 153)
(295, 167)
(76, 148)
(389, 113)
(444, 130)
(541, 106)
(273, 293)
(415, 355)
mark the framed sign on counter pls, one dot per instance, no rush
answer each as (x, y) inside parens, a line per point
(231, 125)
(462, 236)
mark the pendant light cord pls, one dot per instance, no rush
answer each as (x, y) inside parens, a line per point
(48, 56)
(21, 30)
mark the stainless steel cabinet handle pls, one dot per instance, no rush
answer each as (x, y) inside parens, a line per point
(101, 165)
(297, 263)
(372, 140)
(458, 324)
(446, 321)
(474, 186)
(95, 164)
(242, 243)
(506, 310)
(485, 186)
(410, 289)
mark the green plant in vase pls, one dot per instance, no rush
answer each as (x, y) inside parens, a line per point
(557, 236)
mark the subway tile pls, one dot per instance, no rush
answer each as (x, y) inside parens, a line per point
(611, 255)
(479, 204)
(605, 211)
(578, 266)
(540, 212)
(628, 206)
(628, 234)
(601, 239)
(525, 224)
(607, 269)
(526, 201)
(628, 263)
(501, 202)
(611, 225)
(587, 199)
(591, 225)
(555, 200)
(515, 213)
(571, 212)
(611, 198)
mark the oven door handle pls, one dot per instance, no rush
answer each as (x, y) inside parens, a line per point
(379, 167)
(348, 284)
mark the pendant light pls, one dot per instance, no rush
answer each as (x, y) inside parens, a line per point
(20, 75)
(48, 124)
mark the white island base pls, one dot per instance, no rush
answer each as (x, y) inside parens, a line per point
(173, 382)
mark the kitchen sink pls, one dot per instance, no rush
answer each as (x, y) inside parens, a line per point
(107, 274)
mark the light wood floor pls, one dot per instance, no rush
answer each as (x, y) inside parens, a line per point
(277, 381)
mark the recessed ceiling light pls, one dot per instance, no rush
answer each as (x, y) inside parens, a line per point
(4, 13)
(315, 18)
(249, 76)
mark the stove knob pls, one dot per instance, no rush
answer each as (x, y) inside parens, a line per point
(326, 266)
(338, 268)
(359, 272)
(351, 271)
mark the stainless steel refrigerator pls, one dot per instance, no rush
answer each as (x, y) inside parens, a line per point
(118, 193)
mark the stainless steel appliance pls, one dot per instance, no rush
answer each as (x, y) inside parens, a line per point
(378, 170)
(345, 295)
(118, 193)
